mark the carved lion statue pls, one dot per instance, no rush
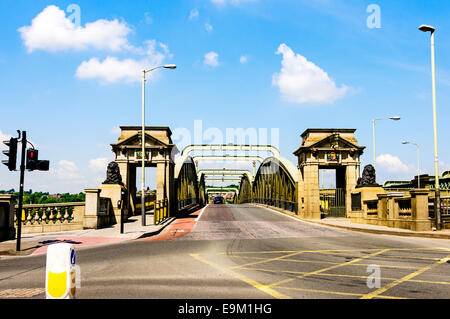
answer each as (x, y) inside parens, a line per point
(368, 178)
(113, 174)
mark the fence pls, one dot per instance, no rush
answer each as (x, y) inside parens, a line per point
(332, 202)
(149, 202)
(282, 204)
(161, 212)
(186, 203)
(445, 211)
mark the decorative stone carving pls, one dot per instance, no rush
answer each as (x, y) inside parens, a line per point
(368, 178)
(113, 174)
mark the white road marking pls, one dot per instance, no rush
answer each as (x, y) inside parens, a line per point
(296, 219)
(201, 213)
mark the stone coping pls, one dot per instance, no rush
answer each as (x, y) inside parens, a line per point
(52, 205)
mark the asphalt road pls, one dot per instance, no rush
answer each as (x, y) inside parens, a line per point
(247, 252)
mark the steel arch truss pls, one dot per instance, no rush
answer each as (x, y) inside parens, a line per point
(189, 189)
(274, 185)
(245, 191)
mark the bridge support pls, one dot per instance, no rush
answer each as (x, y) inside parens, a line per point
(159, 153)
(309, 192)
(335, 149)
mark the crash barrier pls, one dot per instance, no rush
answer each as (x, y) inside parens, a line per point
(161, 211)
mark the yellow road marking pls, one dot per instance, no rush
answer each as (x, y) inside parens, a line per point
(329, 268)
(268, 260)
(295, 251)
(321, 291)
(336, 292)
(347, 276)
(332, 250)
(336, 254)
(410, 257)
(251, 282)
(318, 262)
(260, 252)
(404, 279)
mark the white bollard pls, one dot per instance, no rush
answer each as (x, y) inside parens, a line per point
(61, 272)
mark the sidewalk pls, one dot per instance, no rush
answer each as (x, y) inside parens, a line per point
(344, 223)
(34, 244)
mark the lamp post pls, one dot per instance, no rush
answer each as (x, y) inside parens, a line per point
(144, 72)
(437, 202)
(418, 161)
(394, 118)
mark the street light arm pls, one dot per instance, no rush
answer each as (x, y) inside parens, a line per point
(158, 67)
(394, 118)
(166, 66)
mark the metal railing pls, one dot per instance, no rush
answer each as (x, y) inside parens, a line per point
(372, 207)
(404, 206)
(285, 205)
(186, 203)
(333, 202)
(149, 202)
(161, 211)
(445, 210)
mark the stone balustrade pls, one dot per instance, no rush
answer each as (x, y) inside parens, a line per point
(408, 210)
(40, 218)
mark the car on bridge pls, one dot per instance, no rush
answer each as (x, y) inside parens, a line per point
(219, 200)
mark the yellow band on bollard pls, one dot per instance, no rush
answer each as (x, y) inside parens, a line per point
(60, 278)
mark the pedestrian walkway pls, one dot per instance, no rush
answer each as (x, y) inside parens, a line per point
(179, 228)
(344, 223)
(33, 244)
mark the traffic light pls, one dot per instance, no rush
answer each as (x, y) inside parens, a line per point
(32, 159)
(11, 153)
(33, 163)
(43, 165)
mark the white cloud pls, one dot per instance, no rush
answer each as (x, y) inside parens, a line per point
(99, 164)
(211, 59)
(392, 164)
(68, 171)
(208, 27)
(112, 69)
(243, 59)
(52, 31)
(301, 81)
(193, 15)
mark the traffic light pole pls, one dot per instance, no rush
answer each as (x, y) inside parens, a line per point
(22, 177)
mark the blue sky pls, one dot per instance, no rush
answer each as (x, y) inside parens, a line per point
(290, 65)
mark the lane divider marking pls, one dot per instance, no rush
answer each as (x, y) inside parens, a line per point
(406, 278)
(251, 282)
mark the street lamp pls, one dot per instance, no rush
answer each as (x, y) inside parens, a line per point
(394, 118)
(144, 72)
(418, 161)
(437, 202)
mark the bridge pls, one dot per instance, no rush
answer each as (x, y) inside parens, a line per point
(273, 180)
(187, 182)
(270, 179)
